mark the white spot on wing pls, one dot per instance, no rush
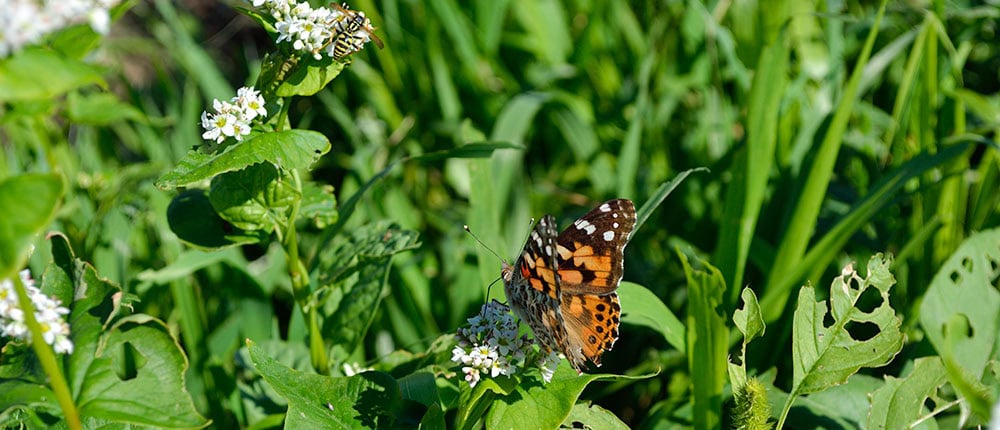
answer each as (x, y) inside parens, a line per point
(548, 250)
(582, 224)
(605, 208)
(615, 225)
(609, 235)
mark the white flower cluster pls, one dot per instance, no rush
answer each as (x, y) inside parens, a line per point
(232, 118)
(334, 32)
(48, 313)
(25, 22)
(490, 344)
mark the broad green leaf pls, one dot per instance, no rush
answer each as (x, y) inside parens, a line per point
(352, 281)
(843, 406)
(707, 342)
(309, 76)
(824, 353)
(965, 286)
(318, 204)
(193, 219)
(290, 149)
(366, 400)
(536, 405)
(899, 403)
(28, 203)
(593, 416)
(641, 307)
(257, 198)
(124, 370)
(39, 74)
(153, 393)
(100, 109)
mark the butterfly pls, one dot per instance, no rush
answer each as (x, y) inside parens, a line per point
(563, 284)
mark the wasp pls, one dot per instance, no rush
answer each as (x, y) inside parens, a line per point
(353, 30)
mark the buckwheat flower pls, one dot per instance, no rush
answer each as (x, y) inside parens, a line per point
(489, 346)
(250, 102)
(548, 365)
(232, 118)
(48, 312)
(27, 22)
(334, 32)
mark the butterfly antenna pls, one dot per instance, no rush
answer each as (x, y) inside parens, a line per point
(491, 286)
(467, 230)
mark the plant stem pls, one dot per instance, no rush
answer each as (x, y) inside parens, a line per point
(47, 358)
(300, 287)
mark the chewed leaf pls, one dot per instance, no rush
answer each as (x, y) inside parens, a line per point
(823, 350)
(964, 286)
(749, 320)
(900, 402)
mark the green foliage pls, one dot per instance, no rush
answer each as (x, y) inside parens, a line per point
(825, 354)
(248, 283)
(707, 339)
(125, 369)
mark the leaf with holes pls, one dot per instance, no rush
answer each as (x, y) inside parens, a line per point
(123, 370)
(828, 344)
(899, 403)
(964, 287)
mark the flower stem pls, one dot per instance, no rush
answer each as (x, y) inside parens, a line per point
(47, 358)
(301, 289)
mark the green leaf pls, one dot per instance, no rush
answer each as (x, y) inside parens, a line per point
(290, 149)
(100, 109)
(799, 231)
(318, 204)
(308, 76)
(749, 320)
(660, 195)
(28, 203)
(594, 417)
(256, 199)
(825, 250)
(536, 405)
(746, 193)
(39, 74)
(193, 219)
(352, 281)
(899, 403)
(129, 370)
(964, 287)
(642, 308)
(21, 390)
(471, 150)
(707, 340)
(824, 353)
(366, 400)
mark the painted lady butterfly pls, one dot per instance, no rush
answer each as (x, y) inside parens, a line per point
(564, 286)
